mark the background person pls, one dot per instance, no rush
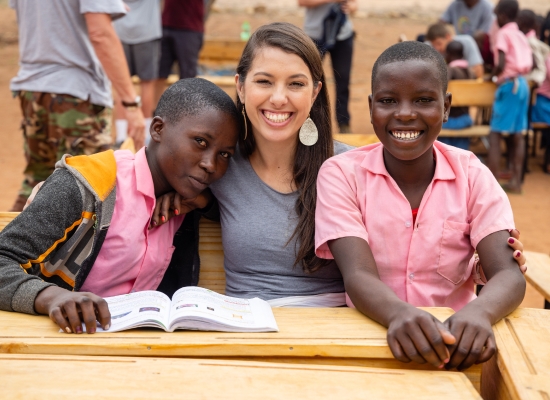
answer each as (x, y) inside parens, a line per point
(64, 85)
(439, 37)
(340, 49)
(513, 60)
(469, 16)
(182, 37)
(140, 32)
(459, 117)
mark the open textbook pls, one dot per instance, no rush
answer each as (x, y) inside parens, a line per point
(191, 308)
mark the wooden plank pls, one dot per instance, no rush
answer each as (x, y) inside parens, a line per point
(523, 341)
(538, 272)
(6, 218)
(471, 92)
(316, 332)
(355, 139)
(55, 377)
(212, 273)
(473, 131)
(221, 50)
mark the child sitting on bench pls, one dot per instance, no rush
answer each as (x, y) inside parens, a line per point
(85, 235)
(459, 117)
(403, 217)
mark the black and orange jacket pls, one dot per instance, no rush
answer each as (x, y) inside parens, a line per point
(56, 240)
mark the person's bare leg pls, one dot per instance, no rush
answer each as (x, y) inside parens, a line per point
(160, 87)
(494, 153)
(148, 103)
(517, 163)
(121, 125)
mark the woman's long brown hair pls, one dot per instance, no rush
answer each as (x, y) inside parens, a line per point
(308, 159)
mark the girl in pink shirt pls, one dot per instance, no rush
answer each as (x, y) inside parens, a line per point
(365, 212)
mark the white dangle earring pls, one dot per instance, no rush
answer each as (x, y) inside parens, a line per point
(308, 133)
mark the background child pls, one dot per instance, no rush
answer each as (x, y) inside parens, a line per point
(419, 209)
(513, 59)
(527, 23)
(100, 206)
(541, 113)
(459, 117)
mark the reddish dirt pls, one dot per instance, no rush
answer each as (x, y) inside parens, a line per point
(531, 209)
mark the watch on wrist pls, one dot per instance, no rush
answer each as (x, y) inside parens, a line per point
(132, 104)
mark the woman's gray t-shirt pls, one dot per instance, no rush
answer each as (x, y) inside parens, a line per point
(257, 223)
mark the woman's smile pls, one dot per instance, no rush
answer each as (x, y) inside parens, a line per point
(277, 118)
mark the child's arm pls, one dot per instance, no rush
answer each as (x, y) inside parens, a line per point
(497, 70)
(33, 235)
(413, 334)
(503, 292)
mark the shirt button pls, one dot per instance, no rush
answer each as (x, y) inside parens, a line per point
(411, 276)
(408, 224)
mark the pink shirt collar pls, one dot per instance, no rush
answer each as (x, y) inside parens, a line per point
(375, 164)
(510, 26)
(144, 179)
(531, 34)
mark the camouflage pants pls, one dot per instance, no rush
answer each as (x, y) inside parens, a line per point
(58, 124)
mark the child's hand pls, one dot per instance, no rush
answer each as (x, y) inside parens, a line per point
(517, 246)
(172, 204)
(475, 339)
(70, 309)
(415, 335)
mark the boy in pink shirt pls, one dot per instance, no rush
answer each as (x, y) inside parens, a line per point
(513, 59)
(419, 208)
(85, 235)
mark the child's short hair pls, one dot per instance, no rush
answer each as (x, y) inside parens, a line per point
(191, 96)
(527, 20)
(437, 31)
(510, 8)
(406, 51)
(455, 49)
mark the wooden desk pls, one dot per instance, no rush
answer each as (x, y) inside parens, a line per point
(55, 377)
(538, 274)
(336, 336)
(523, 341)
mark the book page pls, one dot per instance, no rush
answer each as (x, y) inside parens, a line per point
(199, 304)
(147, 308)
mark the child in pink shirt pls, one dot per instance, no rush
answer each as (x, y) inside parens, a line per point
(513, 60)
(419, 208)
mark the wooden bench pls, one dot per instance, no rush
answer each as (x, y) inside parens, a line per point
(60, 377)
(522, 364)
(538, 274)
(221, 50)
(470, 93)
(355, 139)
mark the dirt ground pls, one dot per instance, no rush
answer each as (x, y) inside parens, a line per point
(375, 32)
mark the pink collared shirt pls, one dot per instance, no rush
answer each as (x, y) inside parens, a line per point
(426, 263)
(517, 52)
(132, 258)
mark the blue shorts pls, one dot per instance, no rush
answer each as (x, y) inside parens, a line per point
(510, 107)
(461, 122)
(541, 110)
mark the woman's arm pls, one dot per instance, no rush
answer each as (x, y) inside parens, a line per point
(413, 334)
(503, 292)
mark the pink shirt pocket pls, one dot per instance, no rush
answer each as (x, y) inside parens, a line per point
(454, 240)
